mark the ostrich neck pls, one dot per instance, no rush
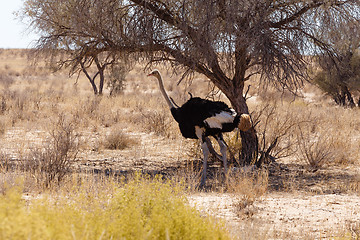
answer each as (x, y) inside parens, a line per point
(162, 89)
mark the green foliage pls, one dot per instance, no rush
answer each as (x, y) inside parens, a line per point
(325, 83)
(340, 79)
(140, 209)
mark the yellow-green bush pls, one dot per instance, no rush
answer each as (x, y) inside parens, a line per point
(140, 209)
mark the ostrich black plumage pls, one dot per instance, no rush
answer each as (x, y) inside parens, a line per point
(199, 118)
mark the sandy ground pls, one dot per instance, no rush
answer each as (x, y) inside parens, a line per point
(284, 215)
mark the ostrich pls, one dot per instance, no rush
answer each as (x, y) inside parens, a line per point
(199, 118)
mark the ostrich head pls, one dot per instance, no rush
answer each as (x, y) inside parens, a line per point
(245, 122)
(154, 73)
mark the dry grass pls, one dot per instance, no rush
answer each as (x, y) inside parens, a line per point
(118, 140)
(315, 148)
(158, 122)
(50, 163)
(248, 186)
(317, 136)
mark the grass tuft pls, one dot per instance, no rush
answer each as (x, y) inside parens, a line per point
(118, 140)
(248, 186)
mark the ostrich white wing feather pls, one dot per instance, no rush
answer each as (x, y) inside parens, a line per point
(219, 119)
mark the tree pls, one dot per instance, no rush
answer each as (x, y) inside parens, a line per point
(228, 41)
(84, 63)
(340, 77)
(76, 51)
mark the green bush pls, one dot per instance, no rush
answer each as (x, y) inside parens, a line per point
(140, 209)
(340, 78)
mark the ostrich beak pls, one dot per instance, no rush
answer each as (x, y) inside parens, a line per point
(245, 122)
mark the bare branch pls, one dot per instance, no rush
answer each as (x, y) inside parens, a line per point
(296, 15)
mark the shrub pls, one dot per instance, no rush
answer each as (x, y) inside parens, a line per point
(316, 149)
(5, 162)
(247, 185)
(3, 105)
(141, 209)
(2, 126)
(158, 122)
(116, 80)
(117, 140)
(276, 126)
(6, 80)
(53, 161)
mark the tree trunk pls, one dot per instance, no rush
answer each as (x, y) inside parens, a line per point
(233, 89)
(94, 87)
(101, 69)
(349, 97)
(101, 84)
(249, 139)
(91, 80)
(344, 98)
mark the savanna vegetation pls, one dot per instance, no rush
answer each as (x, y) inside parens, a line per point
(59, 141)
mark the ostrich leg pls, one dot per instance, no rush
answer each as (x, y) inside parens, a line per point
(211, 149)
(223, 151)
(204, 145)
(208, 149)
(206, 153)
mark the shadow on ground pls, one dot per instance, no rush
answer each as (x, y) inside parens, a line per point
(281, 177)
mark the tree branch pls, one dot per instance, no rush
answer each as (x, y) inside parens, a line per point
(166, 15)
(296, 15)
(92, 80)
